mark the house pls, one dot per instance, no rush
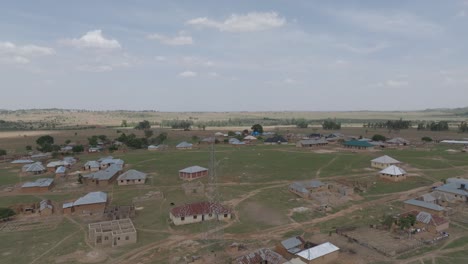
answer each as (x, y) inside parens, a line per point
(103, 177)
(304, 189)
(158, 147)
(22, 161)
(418, 205)
(456, 188)
(236, 142)
(46, 208)
(393, 173)
(398, 141)
(250, 139)
(384, 162)
(70, 160)
(53, 165)
(91, 165)
(308, 143)
(91, 203)
(198, 212)
(208, 140)
(290, 247)
(429, 222)
(219, 134)
(94, 149)
(184, 145)
(260, 256)
(35, 168)
(60, 171)
(192, 173)
(275, 140)
(323, 253)
(106, 163)
(112, 233)
(66, 149)
(356, 144)
(131, 177)
(38, 186)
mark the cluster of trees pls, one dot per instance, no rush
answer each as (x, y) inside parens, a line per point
(302, 123)
(426, 139)
(46, 144)
(3, 152)
(434, 126)
(135, 142)
(143, 125)
(93, 140)
(178, 124)
(6, 213)
(407, 222)
(257, 128)
(331, 125)
(463, 127)
(390, 124)
(378, 137)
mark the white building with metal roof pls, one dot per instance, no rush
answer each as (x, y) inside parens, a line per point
(393, 173)
(324, 253)
(384, 162)
(132, 177)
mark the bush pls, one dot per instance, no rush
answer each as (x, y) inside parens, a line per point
(426, 139)
(378, 137)
(3, 152)
(78, 148)
(6, 212)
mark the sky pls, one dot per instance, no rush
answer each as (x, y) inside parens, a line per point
(217, 55)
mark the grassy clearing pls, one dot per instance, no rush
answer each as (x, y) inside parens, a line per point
(385, 187)
(460, 242)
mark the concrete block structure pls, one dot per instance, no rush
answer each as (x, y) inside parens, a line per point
(393, 173)
(91, 203)
(112, 233)
(132, 177)
(39, 186)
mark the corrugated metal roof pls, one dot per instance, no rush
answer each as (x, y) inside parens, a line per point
(61, 169)
(106, 174)
(193, 169)
(386, 160)
(44, 204)
(91, 198)
(313, 141)
(293, 244)
(356, 143)
(132, 175)
(313, 184)
(299, 187)
(22, 161)
(43, 182)
(458, 181)
(423, 204)
(92, 164)
(34, 167)
(184, 144)
(264, 255)
(318, 251)
(393, 170)
(295, 261)
(398, 140)
(452, 188)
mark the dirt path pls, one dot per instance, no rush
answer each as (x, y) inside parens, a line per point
(55, 246)
(324, 166)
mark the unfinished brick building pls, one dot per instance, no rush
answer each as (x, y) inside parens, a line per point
(112, 233)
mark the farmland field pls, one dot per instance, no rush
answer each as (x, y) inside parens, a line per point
(252, 179)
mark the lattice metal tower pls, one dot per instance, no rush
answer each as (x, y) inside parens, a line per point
(215, 227)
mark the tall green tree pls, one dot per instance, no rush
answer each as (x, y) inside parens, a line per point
(3, 152)
(44, 143)
(143, 125)
(257, 128)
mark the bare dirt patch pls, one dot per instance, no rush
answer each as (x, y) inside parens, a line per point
(263, 214)
(94, 256)
(16, 134)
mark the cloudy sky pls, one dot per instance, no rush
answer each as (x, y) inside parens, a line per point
(240, 55)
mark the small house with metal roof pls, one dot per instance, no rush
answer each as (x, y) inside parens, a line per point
(91, 165)
(393, 173)
(184, 145)
(419, 205)
(308, 143)
(384, 162)
(323, 253)
(38, 186)
(288, 248)
(356, 144)
(103, 177)
(429, 222)
(199, 212)
(192, 173)
(132, 177)
(35, 168)
(91, 203)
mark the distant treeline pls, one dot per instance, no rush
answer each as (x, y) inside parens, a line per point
(434, 126)
(390, 124)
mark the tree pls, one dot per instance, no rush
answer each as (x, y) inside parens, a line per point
(257, 128)
(77, 149)
(195, 138)
(102, 137)
(148, 133)
(426, 139)
(231, 133)
(463, 127)
(3, 152)
(143, 125)
(161, 137)
(331, 125)
(301, 123)
(45, 143)
(67, 141)
(124, 123)
(6, 213)
(93, 141)
(378, 137)
(80, 179)
(28, 148)
(56, 148)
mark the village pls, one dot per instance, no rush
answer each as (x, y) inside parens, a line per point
(376, 203)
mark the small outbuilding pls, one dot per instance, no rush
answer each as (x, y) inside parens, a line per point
(92, 165)
(323, 253)
(35, 168)
(192, 173)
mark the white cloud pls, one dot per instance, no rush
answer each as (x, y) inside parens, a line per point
(393, 83)
(400, 23)
(181, 39)
(187, 74)
(11, 53)
(93, 39)
(160, 58)
(95, 68)
(213, 74)
(189, 61)
(364, 50)
(254, 21)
